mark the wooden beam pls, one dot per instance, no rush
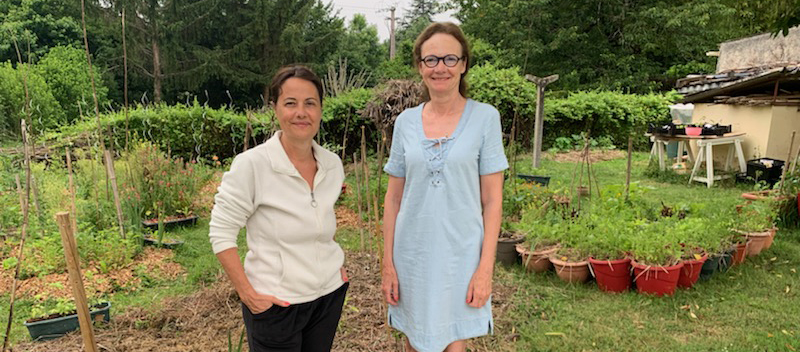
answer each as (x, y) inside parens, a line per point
(76, 281)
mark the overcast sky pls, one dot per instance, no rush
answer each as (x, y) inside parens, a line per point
(377, 12)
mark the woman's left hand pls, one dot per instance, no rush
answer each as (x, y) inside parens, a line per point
(480, 288)
(343, 271)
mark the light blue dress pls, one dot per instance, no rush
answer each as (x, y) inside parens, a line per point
(439, 229)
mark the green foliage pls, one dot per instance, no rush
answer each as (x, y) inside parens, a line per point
(607, 114)
(44, 109)
(186, 131)
(64, 69)
(341, 115)
(155, 186)
(41, 23)
(508, 92)
(360, 48)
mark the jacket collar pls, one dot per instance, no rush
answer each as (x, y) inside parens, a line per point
(281, 163)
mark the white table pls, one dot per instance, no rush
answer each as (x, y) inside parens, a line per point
(659, 149)
(705, 153)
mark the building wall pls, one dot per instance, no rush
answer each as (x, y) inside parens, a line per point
(760, 50)
(785, 119)
(762, 138)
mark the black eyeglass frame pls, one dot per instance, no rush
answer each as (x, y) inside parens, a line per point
(441, 59)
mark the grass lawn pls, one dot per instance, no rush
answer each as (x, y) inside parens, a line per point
(752, 307)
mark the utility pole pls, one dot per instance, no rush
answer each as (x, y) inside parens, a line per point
(391, 35)
(541, 83)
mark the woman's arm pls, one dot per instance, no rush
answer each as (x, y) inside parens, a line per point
(480, 287)
(391, 206)
(232, 265)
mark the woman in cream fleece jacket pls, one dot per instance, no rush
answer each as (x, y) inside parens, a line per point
(292, 284)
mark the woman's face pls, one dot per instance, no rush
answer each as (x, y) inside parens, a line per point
(441, 78)
(298, 109)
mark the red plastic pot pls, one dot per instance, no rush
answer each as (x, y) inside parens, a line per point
(656, 280)
(690, 272)
(612, 275)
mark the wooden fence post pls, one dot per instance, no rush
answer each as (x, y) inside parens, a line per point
(76, 281)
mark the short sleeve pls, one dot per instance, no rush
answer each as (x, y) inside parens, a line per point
(492, 156)
(396, 166)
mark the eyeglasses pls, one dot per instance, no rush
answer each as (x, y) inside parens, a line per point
(449, 60)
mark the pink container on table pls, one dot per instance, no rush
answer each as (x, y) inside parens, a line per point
(694, 131)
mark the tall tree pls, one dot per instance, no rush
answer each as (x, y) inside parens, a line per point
(616, 44)
(360, 47)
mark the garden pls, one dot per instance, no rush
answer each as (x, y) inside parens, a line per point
(599, 249)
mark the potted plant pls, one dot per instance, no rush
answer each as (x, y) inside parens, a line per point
(507, 243)
(159, 191)
(62, 318)
(756, 223)
(656, 258)
(608, 258)
(696, 234)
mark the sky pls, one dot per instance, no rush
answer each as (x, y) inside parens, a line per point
(377, 12)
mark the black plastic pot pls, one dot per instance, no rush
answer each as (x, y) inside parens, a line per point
(166, 243)
(506, 250)
(717, 263)
(169, 224)
(542, 180)
(56, 327)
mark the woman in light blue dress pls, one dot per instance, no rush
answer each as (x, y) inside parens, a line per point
(443, 205)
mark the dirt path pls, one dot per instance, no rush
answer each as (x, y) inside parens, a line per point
(203, 320)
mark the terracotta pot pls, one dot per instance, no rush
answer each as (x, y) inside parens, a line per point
(691, 271)
(740, 252)
(656, 280)
(612, 275)
(572, 272)
(536, 261)
(758, 240)
(768, 242)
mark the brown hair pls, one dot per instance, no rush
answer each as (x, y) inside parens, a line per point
(444, 28)
(293, 71)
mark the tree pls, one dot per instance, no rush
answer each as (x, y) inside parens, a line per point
(44, 109)
(360, 47)
(64, 70)
(42, 23)
(618, 44)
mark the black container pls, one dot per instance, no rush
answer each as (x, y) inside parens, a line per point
(542, 180)
(760, 172)
(170, 224)
(715, 130)
(665, 128)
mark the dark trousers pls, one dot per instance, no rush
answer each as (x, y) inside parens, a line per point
(304, 327)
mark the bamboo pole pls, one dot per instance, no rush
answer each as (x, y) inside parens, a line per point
(358, 193)
(35, 194)
(344, 137)
(628, 171)
(365, 178)
(113, 176)
(74, 216)
(76, 281)
(788, 157)
(24, 202)
(125, 84)
(379, 191)
(247, 131)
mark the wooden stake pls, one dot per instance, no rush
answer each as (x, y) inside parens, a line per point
(125, 84)
(379, 191)
(74, 216)
(365, 178)
(24, 203)
(344, 137)
(35, 194)
(628, 172)
(113, 176)
(358, 193)
(788, 157)
(247, 132)
(76, 281)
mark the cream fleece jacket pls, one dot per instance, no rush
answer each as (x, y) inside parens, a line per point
(291, 252)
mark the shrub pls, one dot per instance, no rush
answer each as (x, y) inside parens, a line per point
(65, 71)
(45, 111)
